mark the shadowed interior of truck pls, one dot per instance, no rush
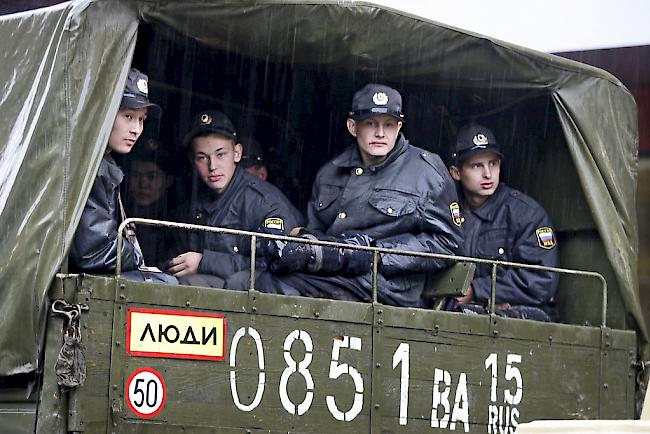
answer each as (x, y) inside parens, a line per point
(297, 109)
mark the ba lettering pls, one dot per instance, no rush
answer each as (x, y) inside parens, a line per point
(442, 414)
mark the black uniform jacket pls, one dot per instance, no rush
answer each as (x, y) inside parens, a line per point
(511, 226)
(248, 203)
(94, 247)
(402, 203)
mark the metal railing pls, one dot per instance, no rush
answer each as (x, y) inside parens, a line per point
(376, 251)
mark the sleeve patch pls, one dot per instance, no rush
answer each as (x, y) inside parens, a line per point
(274, 223)
(455, 213)
(545, 237)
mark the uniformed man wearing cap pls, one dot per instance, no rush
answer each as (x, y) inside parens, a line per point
(381, 191)
(252, 158)
(94, 247)
(231, 198)
(503, 224)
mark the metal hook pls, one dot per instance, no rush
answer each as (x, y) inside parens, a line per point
(72, 312)
(63, 310)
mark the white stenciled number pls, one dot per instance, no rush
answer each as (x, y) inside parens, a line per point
(336, 370)
(301, 368)
(504, 417)
(491, 363)
(401, 356)
(260, 362)
(512, 372)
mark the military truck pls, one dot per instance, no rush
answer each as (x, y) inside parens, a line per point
(190, 359)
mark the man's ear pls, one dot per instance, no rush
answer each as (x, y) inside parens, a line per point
(238, 152)
(352, 126)
(454, 172)
(263, 172)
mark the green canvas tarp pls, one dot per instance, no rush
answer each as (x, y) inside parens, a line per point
(63, 68)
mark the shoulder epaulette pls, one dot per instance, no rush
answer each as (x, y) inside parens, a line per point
(433, 160)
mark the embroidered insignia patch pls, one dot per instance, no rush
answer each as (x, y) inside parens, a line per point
(455, 213)
(274, 223)
(545, 238)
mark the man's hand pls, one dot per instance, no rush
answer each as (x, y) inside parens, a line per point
(186, 263)
(285, 258)
(467, 298)
(355, 262)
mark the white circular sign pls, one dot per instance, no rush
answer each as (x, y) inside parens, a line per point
(146, 392)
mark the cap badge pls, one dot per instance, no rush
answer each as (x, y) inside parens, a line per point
(480, 140)
(206, 119)
(142, 86)
(380, 98)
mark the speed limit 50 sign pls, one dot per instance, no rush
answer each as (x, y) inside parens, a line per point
(146, 392)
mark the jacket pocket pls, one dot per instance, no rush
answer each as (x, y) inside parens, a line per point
(394, 203)
(493, 244)
(327, 196)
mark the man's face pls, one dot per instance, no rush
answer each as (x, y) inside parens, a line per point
(148, 183)
(479, 177)
(127, 127)
(258, 170)
(215, 158)
(376, 136)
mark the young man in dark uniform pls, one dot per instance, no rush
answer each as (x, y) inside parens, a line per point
(503, 224)
(232, 198)
(94, 247)
(381, 191)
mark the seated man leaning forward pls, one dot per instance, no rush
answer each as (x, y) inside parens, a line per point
(94, 246)
(232, 198)
(151, 175)
(503, 224)
(381, 191)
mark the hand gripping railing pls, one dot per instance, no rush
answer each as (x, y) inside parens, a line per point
(376, 251)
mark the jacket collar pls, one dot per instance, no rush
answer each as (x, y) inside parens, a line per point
(212, 201)
(114, 172)
(488, 210)
(351, 157)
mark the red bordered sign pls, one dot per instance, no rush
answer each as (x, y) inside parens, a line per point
(146, 392)
(179, 334)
